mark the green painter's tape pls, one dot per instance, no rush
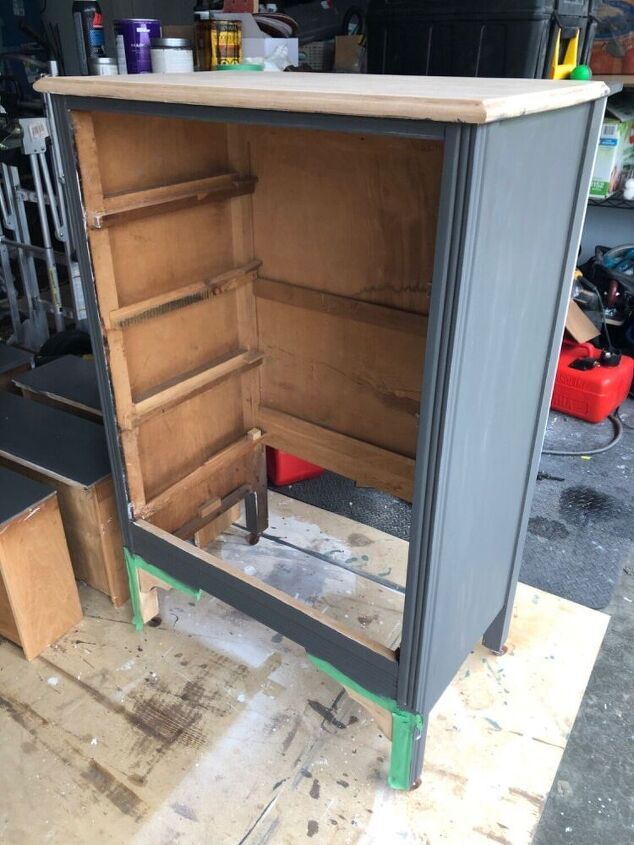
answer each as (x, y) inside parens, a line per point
(406, 726)
(135, 562)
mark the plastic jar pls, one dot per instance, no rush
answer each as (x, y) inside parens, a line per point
(172, 55)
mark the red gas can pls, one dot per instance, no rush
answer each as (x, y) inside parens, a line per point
(587, 388)
(283, 468)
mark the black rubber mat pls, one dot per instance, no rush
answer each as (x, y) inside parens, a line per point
(581, 527)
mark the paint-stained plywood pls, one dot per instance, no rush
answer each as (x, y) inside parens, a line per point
(211, 722)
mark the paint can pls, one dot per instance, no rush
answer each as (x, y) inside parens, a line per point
(104, 66)
(226, 43)
(172, 55)
(132, 38)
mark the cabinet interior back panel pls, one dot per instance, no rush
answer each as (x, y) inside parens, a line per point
(354, 218)
(327, 328)
(353, 215)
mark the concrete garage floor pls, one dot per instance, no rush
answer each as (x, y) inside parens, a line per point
(592, 799)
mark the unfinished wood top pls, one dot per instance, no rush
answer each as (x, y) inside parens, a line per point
(18, 493)
(450, 99)
(60, 445)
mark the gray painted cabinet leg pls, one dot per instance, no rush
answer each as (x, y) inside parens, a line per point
(496, 634)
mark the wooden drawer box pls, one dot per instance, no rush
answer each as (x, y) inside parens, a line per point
(70, 454)
(38, 595)
(68, 383)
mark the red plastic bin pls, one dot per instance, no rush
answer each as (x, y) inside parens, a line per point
(592, 394)
(283, 468)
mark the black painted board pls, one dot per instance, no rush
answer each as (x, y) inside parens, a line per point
(69, 379)
(12, 357)
(18, 493)
(57, 443)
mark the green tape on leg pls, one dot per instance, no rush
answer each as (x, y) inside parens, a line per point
(406, 726)
(133, 581)
(136, 562)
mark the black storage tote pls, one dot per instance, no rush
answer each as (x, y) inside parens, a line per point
(504, 38)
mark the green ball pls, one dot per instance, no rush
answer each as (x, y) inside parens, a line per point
(581, 72)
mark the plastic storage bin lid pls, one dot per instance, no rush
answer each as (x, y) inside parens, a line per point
(489, 9)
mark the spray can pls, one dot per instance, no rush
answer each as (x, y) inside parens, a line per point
(88, 22)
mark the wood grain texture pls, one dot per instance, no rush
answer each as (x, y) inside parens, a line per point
(358, 213)
(178, 389)
(368, 465)
(206, 534)
(154, 147)
(342, 229)
(38, 595)
(91, 527)
(155, 254)
(349, 376)
(232, 453)
(215, 480)
(176, 442)
(451, 99)
(172, 341)
(183, 296)
(171, 197)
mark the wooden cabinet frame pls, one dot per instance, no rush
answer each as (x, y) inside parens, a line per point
(506, 228)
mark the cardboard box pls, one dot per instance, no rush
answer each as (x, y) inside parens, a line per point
(579, 325)
(615, 154)
(350, 54)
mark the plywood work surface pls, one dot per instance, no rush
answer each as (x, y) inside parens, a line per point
(452, 99)
(212, 728)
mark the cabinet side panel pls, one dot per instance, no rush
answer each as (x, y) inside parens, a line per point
(169, 227)
(518, 240)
